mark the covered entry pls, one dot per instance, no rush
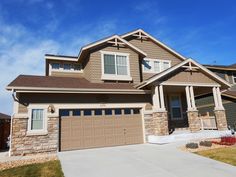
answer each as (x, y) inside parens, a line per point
(90, 128)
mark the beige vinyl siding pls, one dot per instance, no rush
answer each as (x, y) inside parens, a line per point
(192, 77)
(154, 51)
(93, 70)
(87, 68)
(66, 74)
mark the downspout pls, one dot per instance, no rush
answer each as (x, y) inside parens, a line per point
(11, 128)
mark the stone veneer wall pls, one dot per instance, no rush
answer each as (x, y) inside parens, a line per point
(23, 144)
(193, 121)
(157, 124)
(221, 119)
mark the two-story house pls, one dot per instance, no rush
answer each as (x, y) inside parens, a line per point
(100, 97)
(205, 102)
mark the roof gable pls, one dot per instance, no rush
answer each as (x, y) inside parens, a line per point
(189, 63)
(142, 34)
(115, 40)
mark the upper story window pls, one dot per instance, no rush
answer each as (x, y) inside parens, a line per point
(66, 67)
(155, 66)
(55, 65)
(115, 66)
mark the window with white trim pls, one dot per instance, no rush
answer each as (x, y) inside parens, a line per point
(55, 66)
(155, 66)
(66, 67)
(37, 117)
(115, 66)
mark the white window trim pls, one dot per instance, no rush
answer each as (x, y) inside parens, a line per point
(151, 60)
(181, 109)
(61, 69)
(115, 76)
(43, 131)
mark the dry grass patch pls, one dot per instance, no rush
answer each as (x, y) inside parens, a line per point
(227, 154)
(46, 169)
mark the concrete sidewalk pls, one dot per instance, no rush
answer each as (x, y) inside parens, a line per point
(146, 160)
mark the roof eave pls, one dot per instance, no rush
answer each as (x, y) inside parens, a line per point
(75, 90)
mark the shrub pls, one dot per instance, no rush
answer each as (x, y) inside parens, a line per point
(205, 143)
(226, 140)
(191, 145)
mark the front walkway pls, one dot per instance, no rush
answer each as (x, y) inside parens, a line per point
(145, 160)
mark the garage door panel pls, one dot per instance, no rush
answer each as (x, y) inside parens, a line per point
(80, 132)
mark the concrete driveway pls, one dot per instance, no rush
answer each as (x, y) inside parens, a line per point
(146, 160)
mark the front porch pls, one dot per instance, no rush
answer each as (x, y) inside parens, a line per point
(174, 108)
(173, 98)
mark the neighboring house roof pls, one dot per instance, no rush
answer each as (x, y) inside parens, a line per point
(52, 83)
(4, 116)
(164, 73)
(87, 47)
(155, 41)
(229, 93)
(233, 65)
(222, 67)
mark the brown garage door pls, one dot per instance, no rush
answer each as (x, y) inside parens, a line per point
(89, 128)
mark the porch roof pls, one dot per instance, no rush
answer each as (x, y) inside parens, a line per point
(204, 70)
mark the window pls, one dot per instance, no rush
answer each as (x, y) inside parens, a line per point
(66, 66)
(108, 111)
(98, 112)
(109, 64)
(147, 66)
(64, 112)
(127, 111)
(37, 119)
(115, 66)
(87, 112)
(176, 108)
(76, 112)
(136, 111)
(55, 66)
(118, 112)
(155, 66)
(77, 67)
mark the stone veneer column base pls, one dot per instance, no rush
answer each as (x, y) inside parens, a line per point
(157, 124)
(221, 119)
(23, 144)
(193, 121)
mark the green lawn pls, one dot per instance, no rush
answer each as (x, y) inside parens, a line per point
(47, 169)
(227, 155)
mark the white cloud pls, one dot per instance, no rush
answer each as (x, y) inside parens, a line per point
(22, 51)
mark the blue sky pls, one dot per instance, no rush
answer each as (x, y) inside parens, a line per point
(203, 30)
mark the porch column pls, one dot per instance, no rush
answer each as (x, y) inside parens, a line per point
(156, 99)
(188, 98)
(215, 98)
(158, 124)
(193, 120)
(192, 98)
(219, 110)
(162, 98)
